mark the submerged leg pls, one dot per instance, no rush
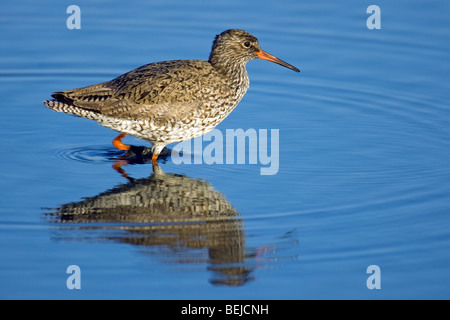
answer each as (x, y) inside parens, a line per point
(156, 150)
(117, 142)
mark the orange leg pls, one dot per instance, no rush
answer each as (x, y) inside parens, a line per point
(155, 159)
(117, 142)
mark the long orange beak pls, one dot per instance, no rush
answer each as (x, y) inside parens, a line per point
(266, 56)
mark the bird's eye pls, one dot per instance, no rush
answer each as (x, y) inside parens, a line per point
(247, 44)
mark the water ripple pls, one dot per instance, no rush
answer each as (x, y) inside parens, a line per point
(98, 154)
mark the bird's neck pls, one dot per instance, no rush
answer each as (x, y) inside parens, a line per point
(234, 70)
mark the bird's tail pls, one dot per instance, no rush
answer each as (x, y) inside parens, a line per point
(61, 106)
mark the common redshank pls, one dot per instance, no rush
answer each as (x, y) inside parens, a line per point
(170, 101)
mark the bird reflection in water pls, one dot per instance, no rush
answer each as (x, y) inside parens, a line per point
(185, 219)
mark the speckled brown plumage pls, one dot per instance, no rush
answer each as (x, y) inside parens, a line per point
(170, 101)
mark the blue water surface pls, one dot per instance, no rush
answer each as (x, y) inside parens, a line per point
(363, 176)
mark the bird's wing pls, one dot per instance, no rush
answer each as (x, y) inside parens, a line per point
(151, 90)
